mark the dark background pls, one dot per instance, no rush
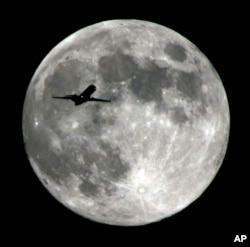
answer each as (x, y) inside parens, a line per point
(33, 215)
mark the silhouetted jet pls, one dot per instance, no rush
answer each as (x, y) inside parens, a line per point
(83, 97)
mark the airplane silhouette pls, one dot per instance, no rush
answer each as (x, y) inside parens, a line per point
(83, 97)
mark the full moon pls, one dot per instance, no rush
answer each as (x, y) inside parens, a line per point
(153, 149)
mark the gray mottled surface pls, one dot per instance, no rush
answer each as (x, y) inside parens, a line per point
(151, 151)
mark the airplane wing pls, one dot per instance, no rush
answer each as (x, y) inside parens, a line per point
(63, 97)
(100, 100)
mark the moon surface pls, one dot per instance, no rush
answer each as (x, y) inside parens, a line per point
(150, 152)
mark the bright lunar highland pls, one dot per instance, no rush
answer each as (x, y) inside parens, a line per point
(148, 153)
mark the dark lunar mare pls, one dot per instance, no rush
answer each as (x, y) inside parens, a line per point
(147, 83)
(176, 52)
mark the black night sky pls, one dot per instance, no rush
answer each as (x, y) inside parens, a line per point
(216, 217)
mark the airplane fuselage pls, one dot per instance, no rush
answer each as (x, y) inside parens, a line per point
(83, 97)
